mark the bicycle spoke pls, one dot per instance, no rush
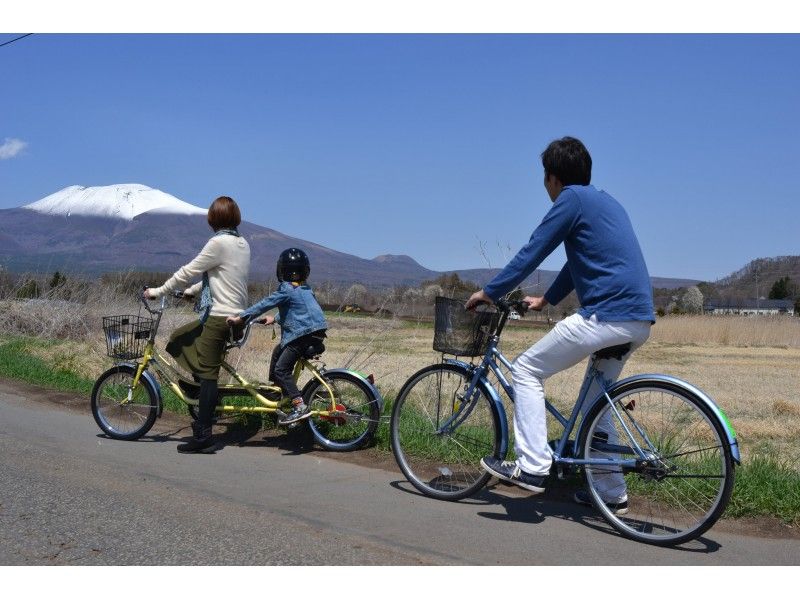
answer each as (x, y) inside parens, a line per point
(354, 419)
(442, 462)
(121, 410)
(680, 489)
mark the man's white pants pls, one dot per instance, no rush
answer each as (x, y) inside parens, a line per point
(571, 341)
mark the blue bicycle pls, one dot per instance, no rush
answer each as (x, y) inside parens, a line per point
(656, 438)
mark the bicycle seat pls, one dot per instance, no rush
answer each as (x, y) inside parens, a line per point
(314, 350)
(614, 352)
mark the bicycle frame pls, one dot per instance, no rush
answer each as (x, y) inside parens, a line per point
(479, 378)
(169, 374)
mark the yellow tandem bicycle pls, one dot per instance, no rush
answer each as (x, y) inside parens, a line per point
(127, 398)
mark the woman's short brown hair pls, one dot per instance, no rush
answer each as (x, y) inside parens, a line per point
(224, 213)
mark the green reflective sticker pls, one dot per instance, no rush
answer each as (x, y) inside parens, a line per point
(727, 423)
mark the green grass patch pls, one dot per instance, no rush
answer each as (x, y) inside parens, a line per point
(172, 402)
(766, 486)
(17, 362)
(381, 440)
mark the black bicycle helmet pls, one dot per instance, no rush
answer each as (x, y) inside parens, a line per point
(293, 265)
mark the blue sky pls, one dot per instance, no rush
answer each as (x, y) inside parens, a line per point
(425, 145)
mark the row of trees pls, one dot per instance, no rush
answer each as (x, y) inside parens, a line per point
(408, 299)
(411, 300)
(55, 286)
(692, 300)
(400, 299)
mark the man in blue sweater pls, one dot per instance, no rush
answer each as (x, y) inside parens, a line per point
(606, 268)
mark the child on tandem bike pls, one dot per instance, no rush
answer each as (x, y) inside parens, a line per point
(302, 325)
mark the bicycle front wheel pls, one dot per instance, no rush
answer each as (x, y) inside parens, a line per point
(441, 462)
(123, 411)
(684, 481)
(349, 416)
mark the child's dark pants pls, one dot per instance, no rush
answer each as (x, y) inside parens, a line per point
(281, 367)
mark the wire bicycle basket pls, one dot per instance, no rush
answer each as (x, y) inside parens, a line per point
(460, 332)
(126, 336)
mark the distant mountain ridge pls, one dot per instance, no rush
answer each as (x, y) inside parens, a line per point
(755, 279)
(94, 230)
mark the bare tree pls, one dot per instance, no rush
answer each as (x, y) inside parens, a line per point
(691, 302)
(356, 294)
(432, 291)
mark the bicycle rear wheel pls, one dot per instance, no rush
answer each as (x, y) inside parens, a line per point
(122, 411)
(443, 464)
(682, 486)
(352, 417)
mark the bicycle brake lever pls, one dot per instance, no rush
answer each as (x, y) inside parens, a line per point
(142, 297)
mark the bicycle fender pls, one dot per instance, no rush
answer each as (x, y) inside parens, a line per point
(725, 423)
(149, 379)
(373, 390)
(493, 395)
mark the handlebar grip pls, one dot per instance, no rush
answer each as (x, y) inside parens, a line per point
(518, 306)
(145, 300)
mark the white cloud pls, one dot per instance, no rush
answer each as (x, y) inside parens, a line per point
(11, 147)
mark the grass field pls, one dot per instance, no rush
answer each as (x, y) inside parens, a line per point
(749, 366)
(758, 387)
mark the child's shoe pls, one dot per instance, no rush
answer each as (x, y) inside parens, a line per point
(300, 411)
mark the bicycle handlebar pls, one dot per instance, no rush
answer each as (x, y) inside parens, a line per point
(506, 306)
(175, 294)
(145, 300)
(233, 343)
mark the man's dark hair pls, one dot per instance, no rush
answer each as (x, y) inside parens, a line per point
(569, 161)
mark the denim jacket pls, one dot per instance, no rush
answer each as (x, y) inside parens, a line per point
(298, 311)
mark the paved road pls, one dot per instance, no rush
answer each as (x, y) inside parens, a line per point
(68, 495)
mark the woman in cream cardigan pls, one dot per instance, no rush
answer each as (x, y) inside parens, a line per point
(224, 266)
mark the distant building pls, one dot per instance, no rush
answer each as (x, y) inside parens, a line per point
(750, 307)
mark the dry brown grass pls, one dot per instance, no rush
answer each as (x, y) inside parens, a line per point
(756, 383)
(737, 331)
(756, 386)
(749, 366)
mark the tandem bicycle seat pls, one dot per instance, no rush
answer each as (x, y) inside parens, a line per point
(314, 351)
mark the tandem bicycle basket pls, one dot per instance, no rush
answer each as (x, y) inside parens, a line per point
(460, 332)
(126, 336)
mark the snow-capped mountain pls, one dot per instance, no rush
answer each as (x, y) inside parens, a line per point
(112, 201)
(133, 227)
(123, 227)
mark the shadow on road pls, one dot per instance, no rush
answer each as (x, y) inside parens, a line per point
(557, 502)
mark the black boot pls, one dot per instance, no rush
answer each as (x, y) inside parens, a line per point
(201, 442)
